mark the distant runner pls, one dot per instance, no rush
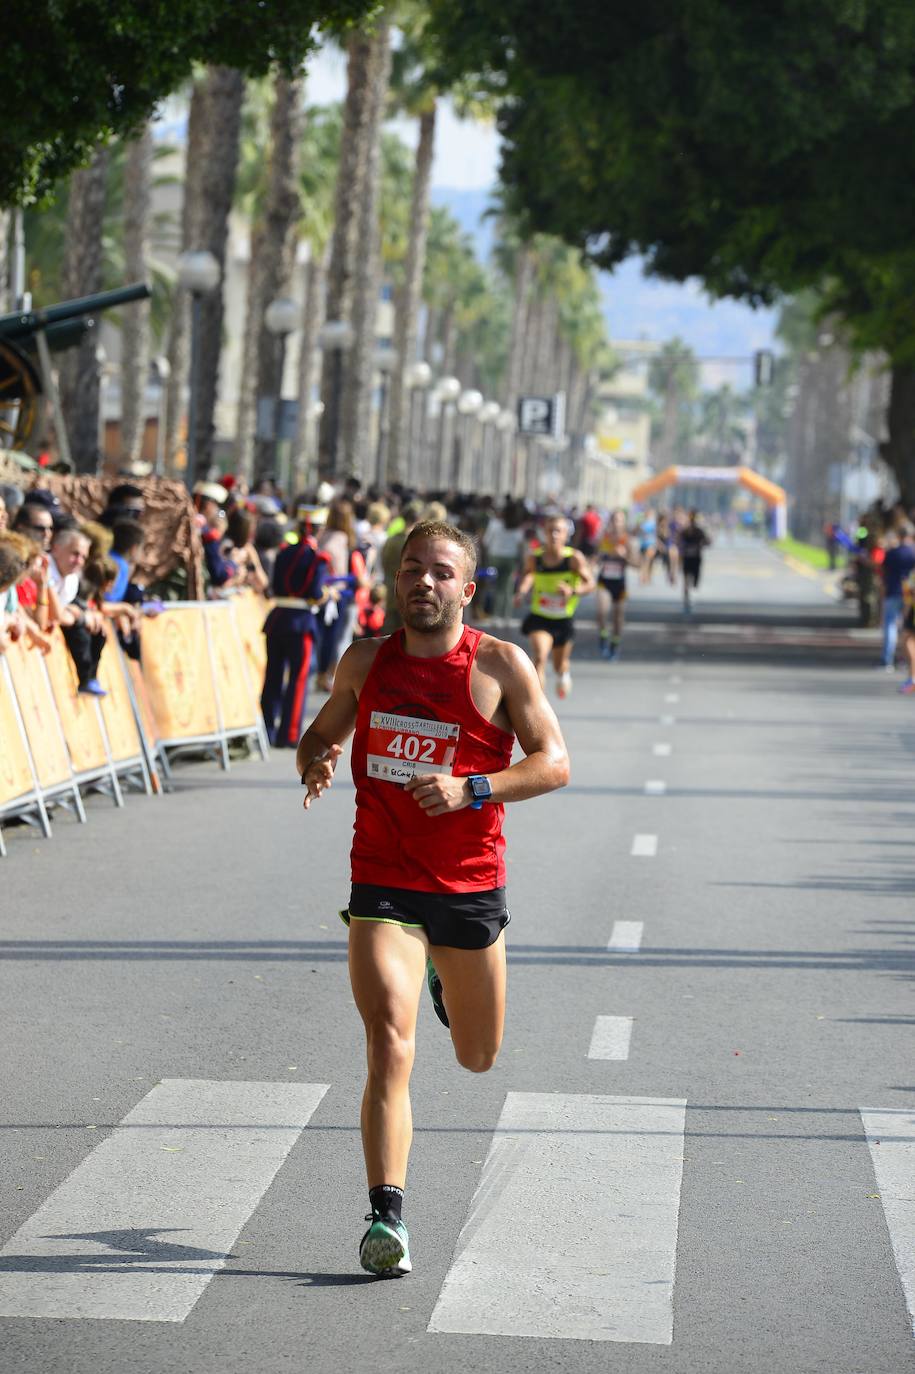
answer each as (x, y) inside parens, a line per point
(557, 577)
(693, 540)
(436, 708)
(614, 557)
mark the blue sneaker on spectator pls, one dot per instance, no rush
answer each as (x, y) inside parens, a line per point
(92, 688)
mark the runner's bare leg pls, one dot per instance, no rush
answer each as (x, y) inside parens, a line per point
(541, 644)
(473, 990)
(387, 966)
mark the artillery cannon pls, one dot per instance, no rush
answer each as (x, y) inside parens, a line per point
(27, 337)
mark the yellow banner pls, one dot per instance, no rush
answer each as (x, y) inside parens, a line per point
(42, 722)
(176, 669)
(250, 612)
(15, 772)
(117, 708)
(78, 714)
(236, 696)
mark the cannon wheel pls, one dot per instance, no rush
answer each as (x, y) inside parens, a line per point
(20, 388)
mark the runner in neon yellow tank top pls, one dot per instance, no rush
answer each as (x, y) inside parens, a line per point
(557, 577)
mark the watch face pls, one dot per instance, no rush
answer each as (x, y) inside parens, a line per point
(481, 787)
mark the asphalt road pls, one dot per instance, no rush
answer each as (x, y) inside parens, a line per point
(765, 876)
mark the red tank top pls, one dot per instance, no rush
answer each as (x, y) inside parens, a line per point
(416, 715)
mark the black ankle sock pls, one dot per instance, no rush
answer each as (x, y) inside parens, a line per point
(386, 1201)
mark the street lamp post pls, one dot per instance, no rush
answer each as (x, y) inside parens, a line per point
(470, 403)
(384, 360)
(447, 391)
(281, 318)
(417, 378)
(335, 336)
(489, 415)
(199, 273)
(163, 369)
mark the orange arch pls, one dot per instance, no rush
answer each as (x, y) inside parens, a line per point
(761, 486)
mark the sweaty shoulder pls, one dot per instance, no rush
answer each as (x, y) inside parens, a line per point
(502, 660)
(355, 665)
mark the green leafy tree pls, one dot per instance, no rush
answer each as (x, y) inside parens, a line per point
(100, 67)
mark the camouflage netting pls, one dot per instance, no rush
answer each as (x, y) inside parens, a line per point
(174, 552)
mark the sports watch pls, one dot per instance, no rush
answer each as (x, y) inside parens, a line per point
(480, 789)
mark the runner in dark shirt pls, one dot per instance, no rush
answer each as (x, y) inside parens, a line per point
(693, 540)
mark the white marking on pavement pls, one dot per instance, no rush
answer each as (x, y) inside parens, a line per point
(140, 1228)
(662, 751)
(626, 936)
(654, 787)
(672, 698)
(891, 1140)
(595, 1259)
(667, 720)
(610, 1037)
(644, 846)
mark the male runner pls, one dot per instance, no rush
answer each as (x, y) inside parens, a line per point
(557, 577)
(614, 556)
(693, 540)
(436, 708)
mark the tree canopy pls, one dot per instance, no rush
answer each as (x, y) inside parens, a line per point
(78, 71)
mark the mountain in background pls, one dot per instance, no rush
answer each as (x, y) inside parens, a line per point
(639, 307)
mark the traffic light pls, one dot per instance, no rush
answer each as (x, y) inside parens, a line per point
(764, 367)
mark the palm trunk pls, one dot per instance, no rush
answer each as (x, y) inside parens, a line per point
(135, 329)
(225, 94)
(408, 314)
(179, 325)
(898, 451)
(282, 211)
(356, 406)
(6, 229)
(524, 275)
(247, 386)
(82, 274)
(312, 318)
(344, 245)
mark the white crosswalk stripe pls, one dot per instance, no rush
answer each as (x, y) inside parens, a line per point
(595, 1259)
(626, 937)
(610, 1038)
(891, 1140)
(140, 1228)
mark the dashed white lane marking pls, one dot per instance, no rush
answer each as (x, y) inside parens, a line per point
(595, 1260)
(610, 1037)
(626, 936)
(672, 698)
(644, 846)
(891, 1140)
(667, 720)
(662, 751)
(140, 1228)
(676, 680)
(654, 787)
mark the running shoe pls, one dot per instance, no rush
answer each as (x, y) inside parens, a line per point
(434, 984)
(563, 685)
(605, 649)
(385, 1248)
(907, 688)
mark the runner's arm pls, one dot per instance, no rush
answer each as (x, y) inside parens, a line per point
(586, 580)
(545, 766)
(320, 746)
(527, 579)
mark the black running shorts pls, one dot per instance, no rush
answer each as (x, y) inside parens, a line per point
(692, 568)
(616, 586)
(562, 629)
(461, 920)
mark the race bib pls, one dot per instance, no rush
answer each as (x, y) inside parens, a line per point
(401, 747)
(613, 569)
(552, 604)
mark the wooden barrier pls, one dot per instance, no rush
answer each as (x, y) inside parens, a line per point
(250, 611)
(19, 793)
(47, 744)
(79, 716)
(238, 701)
(124, 743)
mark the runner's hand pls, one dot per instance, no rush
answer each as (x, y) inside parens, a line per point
(439, 793)
(320, 774)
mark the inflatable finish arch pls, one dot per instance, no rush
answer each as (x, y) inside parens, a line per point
(774, 495)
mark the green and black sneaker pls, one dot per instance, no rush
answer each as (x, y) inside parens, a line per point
(385, 1248)
(435, 991)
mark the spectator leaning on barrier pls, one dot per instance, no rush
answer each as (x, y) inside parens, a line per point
(299, 576)
(23, 619)
(82, 625)
(240, 547)
(210, 499)
(12, 567)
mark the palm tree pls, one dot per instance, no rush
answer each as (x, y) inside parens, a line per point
(368, 66)
(135, 326)
(674, 378)
(82, 274)
(723, 427)
(6, 227)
